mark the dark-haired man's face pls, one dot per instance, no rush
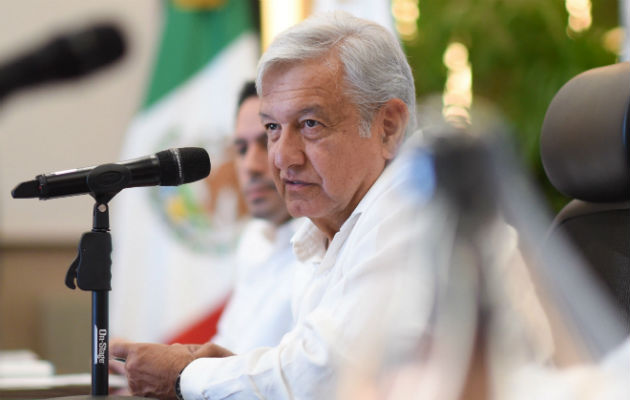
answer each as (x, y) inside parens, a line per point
(254, 176)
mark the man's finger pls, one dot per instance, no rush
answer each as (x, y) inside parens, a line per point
(119, 350)
(116, 367)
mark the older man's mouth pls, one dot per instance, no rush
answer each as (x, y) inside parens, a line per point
(293, 184)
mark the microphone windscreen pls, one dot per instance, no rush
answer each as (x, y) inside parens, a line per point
(95, 47)
(65, 57)
(183, 165)
(74, 55)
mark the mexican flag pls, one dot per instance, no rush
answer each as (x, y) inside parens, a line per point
(172, 255)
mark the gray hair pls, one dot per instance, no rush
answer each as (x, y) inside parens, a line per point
(375, 67)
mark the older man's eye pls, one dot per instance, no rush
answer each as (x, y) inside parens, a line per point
(310, 123)
(273, 131)
(271, 126)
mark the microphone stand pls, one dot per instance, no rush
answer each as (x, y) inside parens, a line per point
(92, 269)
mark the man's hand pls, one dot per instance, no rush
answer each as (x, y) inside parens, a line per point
(152, 369)
(211, 350)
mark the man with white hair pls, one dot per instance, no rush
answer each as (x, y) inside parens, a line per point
(337, 96)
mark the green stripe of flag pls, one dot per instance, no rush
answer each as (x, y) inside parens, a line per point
(191, 38)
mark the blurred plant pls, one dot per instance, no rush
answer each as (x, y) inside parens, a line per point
(521, 53)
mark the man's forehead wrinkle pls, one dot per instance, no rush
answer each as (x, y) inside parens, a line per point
(283, 89)
(320, 87)
(310, 109)
(312, 102)
(330, 60)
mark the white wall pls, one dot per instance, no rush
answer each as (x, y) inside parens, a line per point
(68, 125)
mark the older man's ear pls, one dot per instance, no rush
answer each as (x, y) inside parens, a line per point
(393, 117)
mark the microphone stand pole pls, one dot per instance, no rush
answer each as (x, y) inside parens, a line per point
(92, 269)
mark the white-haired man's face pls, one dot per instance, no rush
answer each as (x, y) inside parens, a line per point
(321, 165)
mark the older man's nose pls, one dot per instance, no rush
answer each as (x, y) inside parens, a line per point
(288, 150)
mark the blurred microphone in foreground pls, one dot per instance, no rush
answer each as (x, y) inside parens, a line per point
(65, 57)
(507, 320)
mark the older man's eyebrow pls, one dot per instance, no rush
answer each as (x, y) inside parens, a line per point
(310, 110)
(306, 110)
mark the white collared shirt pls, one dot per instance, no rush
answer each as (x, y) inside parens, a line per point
(259, 310)
(350, 300)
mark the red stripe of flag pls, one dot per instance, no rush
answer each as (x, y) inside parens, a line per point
(203, 330)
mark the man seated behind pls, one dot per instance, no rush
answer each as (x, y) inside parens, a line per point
(336, 98)
(259, 311)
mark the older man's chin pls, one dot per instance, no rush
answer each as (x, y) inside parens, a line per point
(299, 208)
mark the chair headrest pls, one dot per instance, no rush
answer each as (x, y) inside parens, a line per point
(584, 142)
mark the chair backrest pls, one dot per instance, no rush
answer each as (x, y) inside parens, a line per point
(585, 154)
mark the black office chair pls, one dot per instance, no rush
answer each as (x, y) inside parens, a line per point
(585, 152)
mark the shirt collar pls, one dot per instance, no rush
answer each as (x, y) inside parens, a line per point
(309, 243)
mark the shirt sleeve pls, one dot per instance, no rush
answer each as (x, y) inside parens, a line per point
(363, 306)
(299, 367)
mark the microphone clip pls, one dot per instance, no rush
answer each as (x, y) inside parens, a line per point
(92, 267)
(107, 180)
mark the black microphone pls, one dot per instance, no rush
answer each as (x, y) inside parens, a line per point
(65, 57)
(167, 168)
